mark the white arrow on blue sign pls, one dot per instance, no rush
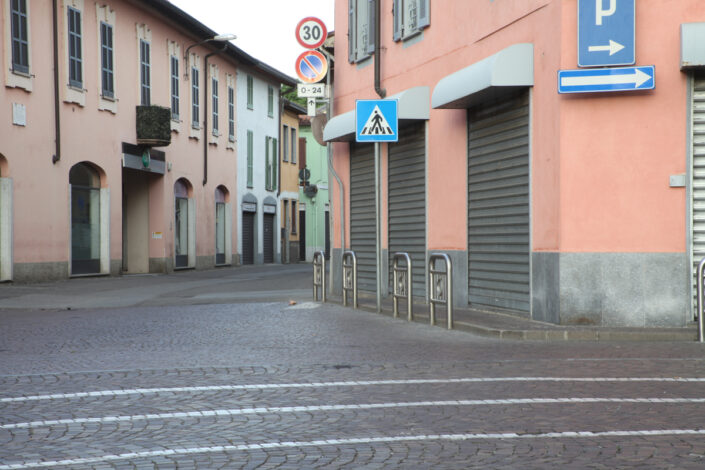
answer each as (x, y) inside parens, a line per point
(612, 79)
(606, 33)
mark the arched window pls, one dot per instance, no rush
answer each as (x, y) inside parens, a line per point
(85, 219)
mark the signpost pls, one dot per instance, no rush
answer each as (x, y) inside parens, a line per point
(311, 32)
(609, 79)
(377, 121)
(311, 66)
(606, 32)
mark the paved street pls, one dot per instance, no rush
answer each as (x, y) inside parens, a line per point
(238, 368)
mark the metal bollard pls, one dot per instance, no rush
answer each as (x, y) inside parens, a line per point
(349, 277)
(319, 275)
(402, 284)
(699, 284)
(440, 292)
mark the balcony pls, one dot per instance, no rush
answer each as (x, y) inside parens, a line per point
(153, 126)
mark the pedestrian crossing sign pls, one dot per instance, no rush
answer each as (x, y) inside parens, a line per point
(376, 121)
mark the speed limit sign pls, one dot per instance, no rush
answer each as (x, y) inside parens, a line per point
(311, 32)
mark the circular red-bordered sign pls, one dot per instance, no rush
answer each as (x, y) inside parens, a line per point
(311, 66)
(311, 32)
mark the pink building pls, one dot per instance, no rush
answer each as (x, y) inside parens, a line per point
(575, 208)
(117, 144)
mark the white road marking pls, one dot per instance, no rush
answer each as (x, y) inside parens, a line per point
(356, 383)
(364, 406)
(349, 441)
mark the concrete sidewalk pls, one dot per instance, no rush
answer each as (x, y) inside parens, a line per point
(284, 283)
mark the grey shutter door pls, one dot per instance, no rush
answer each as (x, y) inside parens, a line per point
(498, 205)
(698, 203)
(268, 237)
(407, 202)
(362, 214)
(248, 238)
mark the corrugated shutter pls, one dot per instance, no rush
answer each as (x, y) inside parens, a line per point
(698, 203)
(248, 237)
(362, 214)
(268, 237)
(498, 205)
(407, 202)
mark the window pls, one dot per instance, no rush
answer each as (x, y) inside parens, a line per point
(410, 17)
(294, 143)
(250, 157)
(285, 150)
(231, 114)
(75, 53)
(20, 38)
(194, 98)
(85, 219)
(250, 92)
(107, 67)
(293, 216)
(361, 34)
(270, 170)
(270, 102)
(174, 87)
(145, 79)
(214, 95)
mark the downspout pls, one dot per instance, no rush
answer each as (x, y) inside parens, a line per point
(378, 39)
(57, 102)
(205, 112)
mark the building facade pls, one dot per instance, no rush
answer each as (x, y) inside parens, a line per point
(566, 208)
(290, 164)
(118, 149)
(314, 208)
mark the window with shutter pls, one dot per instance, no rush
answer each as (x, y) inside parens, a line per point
(361, 34)
(20, 37)
(410, 18)
(250, 157)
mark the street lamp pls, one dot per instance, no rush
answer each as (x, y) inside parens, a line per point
(217, 37)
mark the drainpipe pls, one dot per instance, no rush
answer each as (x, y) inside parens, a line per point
(205, 111)
(378, 39)
(57, 102)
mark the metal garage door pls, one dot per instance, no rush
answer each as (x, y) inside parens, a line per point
(498, 205)
(362, 214)
(248, 237)
(407, 202)
(268, 237)
(698, 172)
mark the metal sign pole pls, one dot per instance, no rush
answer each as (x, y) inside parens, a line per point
(378, 225)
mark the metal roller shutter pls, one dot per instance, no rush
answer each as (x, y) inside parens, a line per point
(407, 202)
(698, 172)
(362, 214)
(268, 237)
(248, 238)
(498, 205)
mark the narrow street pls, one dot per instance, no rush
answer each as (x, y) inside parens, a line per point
(238, 368)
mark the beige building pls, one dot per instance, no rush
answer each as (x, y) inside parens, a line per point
(290, 165)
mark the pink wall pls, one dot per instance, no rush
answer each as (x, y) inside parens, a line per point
(600, 164)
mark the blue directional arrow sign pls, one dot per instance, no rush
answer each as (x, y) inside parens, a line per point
(606, 32)
(376, 121)
(612, 79)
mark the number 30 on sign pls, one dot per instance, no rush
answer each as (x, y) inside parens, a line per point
(311, 32)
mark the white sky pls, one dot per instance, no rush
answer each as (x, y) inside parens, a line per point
(265, 29)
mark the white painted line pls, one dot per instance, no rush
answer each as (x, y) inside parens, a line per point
(356, 383)
(367, 406)
(349, 441)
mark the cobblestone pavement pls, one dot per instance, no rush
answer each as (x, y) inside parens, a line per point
(271, 385)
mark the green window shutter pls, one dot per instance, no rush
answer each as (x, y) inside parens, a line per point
(250, 152)
(275, 160)
(250, 92)
(267, 165)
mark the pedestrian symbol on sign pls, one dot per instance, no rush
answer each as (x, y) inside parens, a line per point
(376, 124)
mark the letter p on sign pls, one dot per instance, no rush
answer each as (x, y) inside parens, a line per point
(600, 12)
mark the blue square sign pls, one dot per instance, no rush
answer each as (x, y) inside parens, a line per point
(376, 121)
(606, 33)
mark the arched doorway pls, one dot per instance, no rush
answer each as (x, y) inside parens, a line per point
(223, 227)
(5, 221)
(184, 225)
(85, 219)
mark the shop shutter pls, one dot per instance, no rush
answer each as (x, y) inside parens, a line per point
(698, 202)
(268, 237)
(362, 214)
(407, 202)
(498, 205)
(248, 238)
